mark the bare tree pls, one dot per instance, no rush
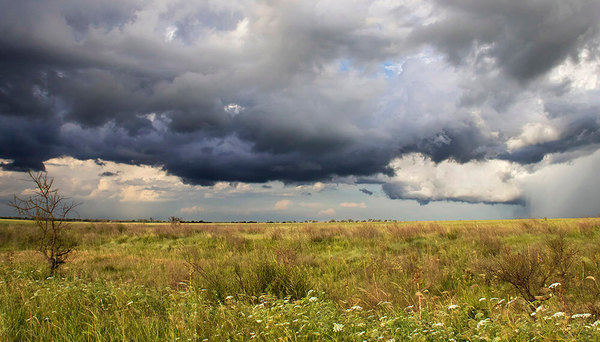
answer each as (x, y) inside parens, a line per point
(49, 210)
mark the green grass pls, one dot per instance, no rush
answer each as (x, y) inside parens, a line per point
(374, 281)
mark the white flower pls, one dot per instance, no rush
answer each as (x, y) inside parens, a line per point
(437, 325)
(356, 308)
(452, 306)
(481, 299)
(337, 327)
(228, 297)
(553, 285)
(582, 315)
(313, 299)
(558, 314)
(482, 323)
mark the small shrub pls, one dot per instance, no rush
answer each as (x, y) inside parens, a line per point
(524, 270)
(531, 270)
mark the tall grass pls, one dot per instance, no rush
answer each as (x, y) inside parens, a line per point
(315, 281)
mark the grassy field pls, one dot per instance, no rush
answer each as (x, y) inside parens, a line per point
(518, 280)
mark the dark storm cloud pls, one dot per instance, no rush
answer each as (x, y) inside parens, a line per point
(256, 92)
(524, 38)
(580, 133)
(108, 174)
(366, 191)
(460, 144)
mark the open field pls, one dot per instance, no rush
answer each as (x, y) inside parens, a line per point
(374, 281)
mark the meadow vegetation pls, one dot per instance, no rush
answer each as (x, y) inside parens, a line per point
(516, 280)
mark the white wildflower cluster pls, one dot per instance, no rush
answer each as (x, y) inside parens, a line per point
(582, 315)
(313, 299)
(553, 285)
(453, 307)
(558, 314)
(538, 309)
(482, 322)
(337, 327)
(355, 308)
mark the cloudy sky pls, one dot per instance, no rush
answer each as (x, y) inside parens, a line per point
(294, 110)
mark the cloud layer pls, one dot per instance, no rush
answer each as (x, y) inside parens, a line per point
(304, 91)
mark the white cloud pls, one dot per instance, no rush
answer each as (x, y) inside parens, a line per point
(233, 108)
(170, 33)
(139, 194)
(315, 187)
(283, 204)
(353, 205)
(582, 74)
(327, 212)
(318, 186)
(533, 133)
(418, 177)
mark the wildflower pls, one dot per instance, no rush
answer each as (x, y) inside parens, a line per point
(437, 325)
(356, 308)
(582, 315)
(228, 297)
(129, 303)
(482, 322)
(481, 299)
(452, 306)
(501, 301)
(337, 327)
(391, 340)
(553, 285)
(313, 299)
(558, 314)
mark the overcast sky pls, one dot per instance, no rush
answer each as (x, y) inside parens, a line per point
(294, 110)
